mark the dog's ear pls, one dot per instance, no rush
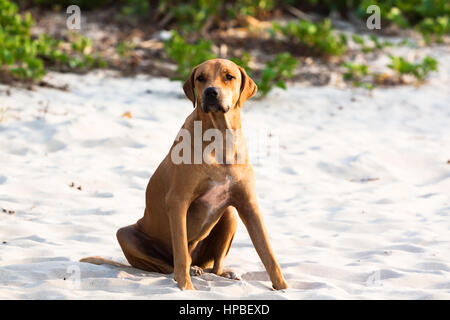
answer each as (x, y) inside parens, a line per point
(248, 87)
(189, 87)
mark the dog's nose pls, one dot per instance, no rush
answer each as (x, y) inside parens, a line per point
(211, 92)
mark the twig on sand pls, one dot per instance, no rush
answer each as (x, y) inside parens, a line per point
(72, 185)
(46, 84)
(165, 20)
(8, 211)
(298, 13)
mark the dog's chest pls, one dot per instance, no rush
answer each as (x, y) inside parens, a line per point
(216, 196)
(206, 210)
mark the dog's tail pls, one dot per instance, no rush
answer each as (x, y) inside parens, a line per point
(99, 260)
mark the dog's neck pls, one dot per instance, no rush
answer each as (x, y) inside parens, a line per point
(229, 124)
(230, 120)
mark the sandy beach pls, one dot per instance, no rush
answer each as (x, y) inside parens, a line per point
(356, 199)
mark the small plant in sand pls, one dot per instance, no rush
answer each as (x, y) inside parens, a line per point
(80, 56)
(124, 49)
(419, 70)
(374, 43)
(359, 75)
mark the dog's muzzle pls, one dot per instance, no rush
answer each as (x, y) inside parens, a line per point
(211, 101)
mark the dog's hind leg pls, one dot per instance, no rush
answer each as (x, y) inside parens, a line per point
(142, 252)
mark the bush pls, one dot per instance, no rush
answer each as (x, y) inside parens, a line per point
(135, 9)
(243, 61)
(276, 72)
(191, 15)
(407, 12)
(18, 52)
(194, 14)
(253, 7)
(319, 37)
(187, 56)
(433, 29)
(22, 57)
(430, 17)
(52, 4)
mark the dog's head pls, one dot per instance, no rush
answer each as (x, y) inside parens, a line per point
(219, 85)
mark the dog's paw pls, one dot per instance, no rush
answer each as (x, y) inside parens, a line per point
(230, 275)
(280, 286)
(195, 271)
(186, 285)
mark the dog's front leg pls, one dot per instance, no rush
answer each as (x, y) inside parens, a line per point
(182, 260)
(250, 215)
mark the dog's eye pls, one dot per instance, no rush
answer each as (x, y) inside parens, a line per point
(229, 76)
(201, 78)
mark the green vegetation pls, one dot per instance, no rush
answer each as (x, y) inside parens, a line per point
(253, 7)
(195, 14)
(243, 61)
(124, 49)
(24, 57)
(355, 71)
(374, 43)
(80, 55)
(194, 25)
(18, 52)
(433, 29)
(135, 9)
(359, 75)
(186, 55)
(429, 17)
(407, 13)
(191, 15)
(276, 72)
(419, 70)
(319, 37)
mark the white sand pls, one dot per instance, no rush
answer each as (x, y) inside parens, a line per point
(336, 233)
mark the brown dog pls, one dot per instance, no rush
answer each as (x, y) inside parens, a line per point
(190, 215)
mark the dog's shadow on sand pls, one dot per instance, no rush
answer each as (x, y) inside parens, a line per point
(95, 276)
